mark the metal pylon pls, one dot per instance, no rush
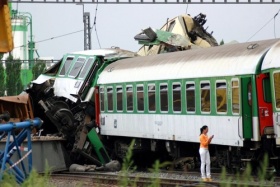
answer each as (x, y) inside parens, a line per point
(87, 31)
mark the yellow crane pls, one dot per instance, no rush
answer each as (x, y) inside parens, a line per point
(6, 36)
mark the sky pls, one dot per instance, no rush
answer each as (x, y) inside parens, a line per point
(117, 24)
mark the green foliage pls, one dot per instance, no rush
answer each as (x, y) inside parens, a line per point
(38, 69)
(13, 81)
(37, 180)
(127, 167)
(263, 176)
(34, 179)
(222, 42)
(246, 178)
(2, 83)
(8, 180)
(155, 170)
(225, 180)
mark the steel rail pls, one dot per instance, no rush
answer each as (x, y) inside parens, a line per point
(111, 179)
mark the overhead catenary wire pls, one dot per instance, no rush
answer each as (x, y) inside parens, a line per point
(274, 23)
(94, 25)
(55, 37)
(265, 25)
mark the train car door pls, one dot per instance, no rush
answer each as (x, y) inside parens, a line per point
(276, 103)
(264, 104)
(246, 95)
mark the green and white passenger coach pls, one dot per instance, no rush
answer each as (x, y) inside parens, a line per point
(163, 100)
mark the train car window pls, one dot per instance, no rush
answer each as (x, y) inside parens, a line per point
(171, 26)
(152, 97)
(140, 98)
(101, 91)
(86, 68)
(110, 98)
(267, 90)
(77, 67)
(221, 96)
(235, 98)
(53, 70)
(129, 98)
(276, 77)
(176, 97)
(190, 97)
(205, 97)
(66, 65)
(164, 98)
(119, 99)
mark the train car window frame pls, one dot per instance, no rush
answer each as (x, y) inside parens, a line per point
(190, 87)
(176, 87)
(163, 90)
(205, 104)
(101, 98)
(267, 90)
(129, 89)
(68, 64)
(221, 85)
(110, 90)
(86, 67)
(119, 94)
(75, 69)
(276, 92)
(152, 104)
(170, 26)
(235, 106)
(139, 91)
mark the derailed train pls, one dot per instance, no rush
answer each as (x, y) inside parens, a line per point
(162, 100)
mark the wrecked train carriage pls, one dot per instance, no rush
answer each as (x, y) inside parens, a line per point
(180, 33)
(63, 96)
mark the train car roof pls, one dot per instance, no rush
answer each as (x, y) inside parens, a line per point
(272, 58)
(107, 53)
(226, 60)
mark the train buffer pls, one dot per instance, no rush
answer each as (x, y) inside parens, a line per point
(14, 134)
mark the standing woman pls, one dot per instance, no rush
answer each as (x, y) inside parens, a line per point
(204, 153)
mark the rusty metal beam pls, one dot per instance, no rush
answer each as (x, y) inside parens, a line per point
(151, 1)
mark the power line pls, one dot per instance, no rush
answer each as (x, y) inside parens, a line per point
(94, 25)
(55, 37)
(274, 23)
(264, 25)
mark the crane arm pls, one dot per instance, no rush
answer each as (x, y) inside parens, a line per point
(6, 37)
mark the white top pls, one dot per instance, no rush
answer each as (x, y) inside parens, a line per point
(272, 58)
(226, 60)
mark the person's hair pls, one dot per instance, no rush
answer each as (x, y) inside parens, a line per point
(203, 128)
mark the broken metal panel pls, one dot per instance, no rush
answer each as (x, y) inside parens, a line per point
(19, 107)
(180, 33)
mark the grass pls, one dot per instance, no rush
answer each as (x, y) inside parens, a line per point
(243, 179)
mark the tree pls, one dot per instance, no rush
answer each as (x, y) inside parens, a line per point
(222, 42)
(13, 81)
(2, 77)
(38, 69)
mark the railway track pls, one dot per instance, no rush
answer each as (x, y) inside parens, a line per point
(142, 179)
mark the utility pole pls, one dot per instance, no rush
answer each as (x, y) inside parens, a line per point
(87, 31)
